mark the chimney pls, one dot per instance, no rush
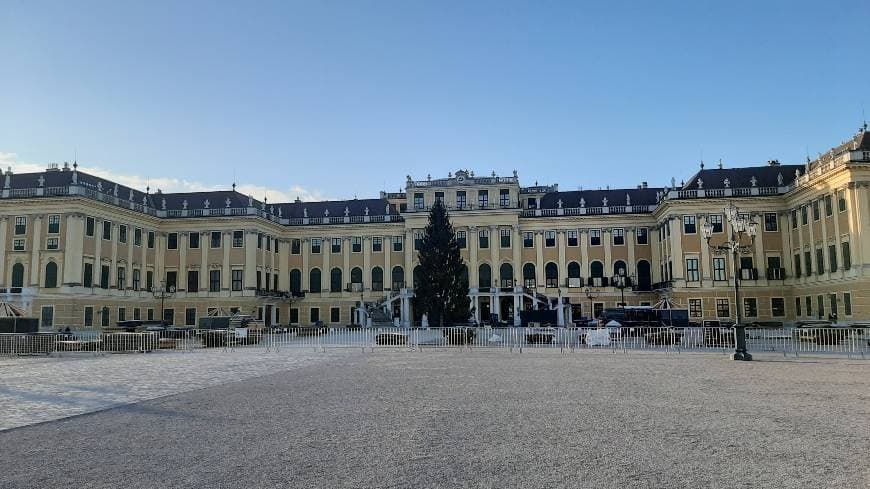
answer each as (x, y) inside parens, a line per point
(643, 184)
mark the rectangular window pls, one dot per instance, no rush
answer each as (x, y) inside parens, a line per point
(216, 239)
(816, 213)
(136, 278)
(572, 238)
(104, 276)
(804, 218)
(723, 309)
(193, 240)
(847, 255)
(122, 314)
(172, 279)
(504, 197)
(169, 316)
(483, 239)
(618, 236)
(505, 238)
(295, 246)
(689, 225)
(418, 240)
(594, 237)
(439, 197)
(89, 229)
(336, 245)
(461, 200)
(829, 206)
(377, 244)
(53, 224)
(696, 308)
(642, 236)
(820, 306)
(315, 245)
(237, 279)
(149, 315)
(18, 244)
(770, 223)
(268, 243)
(820, 261)
(461, 239)
(847, 303)
(692, 272)
(20, 225)
(808, 302)
(794, 220)
(89, 316)
(137, 237)
(238, 239)
(716, 221)
(334, 314)
(797, 306)
(549, 239)
(832, 257)
(528, 240)
(122, 278)
(841, 200)
(259, 241)
(797, 265)
(190, 316)
(137, 313)
(750, 307)
(719, 269)
(314, 314)
(88, 275)
(122, 233)
(356, 244)
(150, 239)
(294, 315)
(832, 301)
(214, 281)
(418, 201)
(107, 230)
(172, 240)
(397, 243)
(808, 264)
(149, 280)
(483, 199)
(192, 280)
(51, 244)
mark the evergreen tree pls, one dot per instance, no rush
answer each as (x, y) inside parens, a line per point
(442, 289)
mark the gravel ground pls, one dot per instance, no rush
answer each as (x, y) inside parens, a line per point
(476, 419)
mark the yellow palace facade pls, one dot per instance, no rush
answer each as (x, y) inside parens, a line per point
(82, 251)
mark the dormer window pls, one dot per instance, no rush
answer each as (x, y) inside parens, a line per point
(504, 197)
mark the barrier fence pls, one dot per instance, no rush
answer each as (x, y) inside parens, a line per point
(796, 341)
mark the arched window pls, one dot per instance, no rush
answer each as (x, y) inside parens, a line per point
(335, 280)
(644, 278)
(295, 280)
(398, 278)
(596, 269)
(314, 280)
(619, 265)
(574, 279)
(506, 275)
(551, 273)
(17, 276)
(356, 275)
(529, 279)
(377, 278)
(51, 275)
(484, 276)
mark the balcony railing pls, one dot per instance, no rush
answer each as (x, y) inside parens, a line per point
(776, 274)
(574, 282)
(748, 274)
(354, 287)
(597, 282)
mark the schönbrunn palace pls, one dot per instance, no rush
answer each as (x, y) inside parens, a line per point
(82, 251)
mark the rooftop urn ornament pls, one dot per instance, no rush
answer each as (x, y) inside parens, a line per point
(263, 204)
(184, 204)
(779, 179)
(163, 204)
(515, 174)
(471, 173)
(727, 183)
(367, 211)
(75, 175)
(272, 209)
(559, 203)
(206, 204)
(115, 190)
(326, 213)
(700, 183)
(280, 214)
(449, 174)
(493, 174)
(797, 173)
(234, 186)
(429, 177)
(99, 186)
(582, 202)
(720, 163)
(41, 180)
(148, 189)
(305, 212)
(228, 202)
(346, 211)
(145, 200)
(604, 201)
(673, 182)
(131, 195)
(627, 199)
(753, 181)
(250, 201)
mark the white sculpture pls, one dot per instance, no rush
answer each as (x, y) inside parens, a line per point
(206, 204)
(184, 204)
(627, 199)
(604, 201)
(727, 183)
(779, 179)
(753, 181)
(559, 203)
(228, 202)
(582, 202)
(700, 183)
(346, 211)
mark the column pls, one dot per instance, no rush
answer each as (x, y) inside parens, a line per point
(516, 257)
(630, 243)
(144, 273)
(250, 259)
(787, 246)
(800, 233)
(539, 259)
(183, 245)
(409, 258)
(760, 260)
(825, 258)
(859, 244)
(388, 267)
(584, 253)
(306, 250)
(204, 244)
(35, 246)
(677, 249)
(607, 241)
(706, 264)
(812, 243)
(113, 270)
(4, 226)
(561, 242)
(326, 273)
(130, 237)
(226, 271)
(72, 250)
(517, 305)
(837, 236)
(367, 263)
(472, 258)
(345, 250)
(656, 251)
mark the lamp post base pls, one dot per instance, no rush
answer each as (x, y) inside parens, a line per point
(741, 356)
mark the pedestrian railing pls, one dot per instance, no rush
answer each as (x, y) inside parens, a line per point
(795, 341)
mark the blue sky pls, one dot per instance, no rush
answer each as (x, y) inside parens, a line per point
(333, 99)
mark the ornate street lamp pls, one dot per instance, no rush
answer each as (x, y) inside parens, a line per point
(591, 295)
(163, 293)
(620, 281)
(741, 227)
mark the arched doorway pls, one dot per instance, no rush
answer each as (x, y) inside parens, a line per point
(644, 278)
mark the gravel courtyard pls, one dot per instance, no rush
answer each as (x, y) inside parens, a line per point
(469, 419)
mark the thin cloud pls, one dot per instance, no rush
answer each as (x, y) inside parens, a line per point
(171, 184)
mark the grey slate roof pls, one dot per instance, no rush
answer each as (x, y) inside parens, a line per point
(355, 207)
(765, 176)
(595, 198)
